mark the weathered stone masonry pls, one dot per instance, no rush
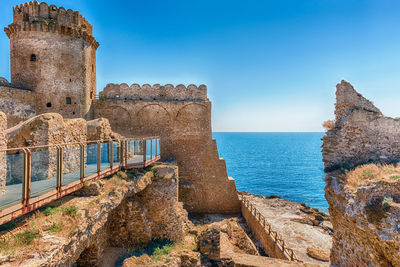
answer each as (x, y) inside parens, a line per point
(53, 53)
(184, 125)
(53, 69)
(3, 145)
(361, 134)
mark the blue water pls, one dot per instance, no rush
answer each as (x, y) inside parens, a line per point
(288, 165)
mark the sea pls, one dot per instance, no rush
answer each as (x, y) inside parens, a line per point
(288, 165)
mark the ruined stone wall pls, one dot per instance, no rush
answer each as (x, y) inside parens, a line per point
(53, 53)
(185, 131)
(18, 104)
(360, 134)
(154, 213)
(43, 130)
(364, 207)
(3, 145)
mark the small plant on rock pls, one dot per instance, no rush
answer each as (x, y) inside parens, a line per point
(386, 203)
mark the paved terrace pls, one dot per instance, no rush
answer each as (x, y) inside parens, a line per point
(291, 220)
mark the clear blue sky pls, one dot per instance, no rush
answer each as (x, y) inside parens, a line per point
(268, 65)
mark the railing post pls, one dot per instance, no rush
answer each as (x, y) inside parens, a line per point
(151, 149)
(59, 167)
(144, 151)
(26, 187)
(156, 152)
(111, 154)
(120, 151)
(98, 157)
(126, 152)
(82, 146)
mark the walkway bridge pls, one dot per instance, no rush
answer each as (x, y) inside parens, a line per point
(36, 176)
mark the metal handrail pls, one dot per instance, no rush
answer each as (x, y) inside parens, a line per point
(121, 155)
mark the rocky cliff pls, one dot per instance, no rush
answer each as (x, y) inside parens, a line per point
(121, 212)
(360, 152)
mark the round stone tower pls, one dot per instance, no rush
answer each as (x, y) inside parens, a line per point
(53, 52)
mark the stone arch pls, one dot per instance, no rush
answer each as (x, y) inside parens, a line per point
(153, 118)
(193, 116)
(120, 119)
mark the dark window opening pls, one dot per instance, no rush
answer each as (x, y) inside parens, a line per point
(70, 80)
(68, 101)
(33, 57)
(73, 113)
(48, 105)
(91, 95)
(92, 68)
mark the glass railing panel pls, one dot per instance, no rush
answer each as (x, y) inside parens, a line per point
(11, 177)
(90, 159)
(71, 164)
(154, 148)
(130, 152)
(158, 146)
(43, 171)
(105, 161)
(116, 153)
(148, 149)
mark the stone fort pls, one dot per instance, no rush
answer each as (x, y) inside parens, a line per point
(53, 70)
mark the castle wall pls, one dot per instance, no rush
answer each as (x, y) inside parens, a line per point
(62, 69)
(185, 131)
(158, 92)
(364, 201)
(17, 104)
(3, 145)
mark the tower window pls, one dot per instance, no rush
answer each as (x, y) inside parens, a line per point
(48, 105)
(91, 95)
(68, 101)
(33, 57)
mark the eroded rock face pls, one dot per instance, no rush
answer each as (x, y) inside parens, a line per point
(153, 213)
(3, 145)
(360, 134)
(365, 219)
(112, 218)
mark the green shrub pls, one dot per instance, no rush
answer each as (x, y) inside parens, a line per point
(56, 227)
(51, 211)
(386, 204)
(395, 177)
(70, 210)
(26, 237)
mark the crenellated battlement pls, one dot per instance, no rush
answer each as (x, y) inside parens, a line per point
(155, 92)
(34, 16)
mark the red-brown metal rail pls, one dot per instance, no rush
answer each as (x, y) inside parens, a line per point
(111, 156)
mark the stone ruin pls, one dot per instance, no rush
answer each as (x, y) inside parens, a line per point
(47, 130)
(366, 228)
(53, 69)
(3, 145)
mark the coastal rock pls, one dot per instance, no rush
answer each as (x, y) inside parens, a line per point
(319, 254)
(363, 198)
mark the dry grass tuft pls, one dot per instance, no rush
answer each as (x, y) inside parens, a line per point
(371, 173)
(328, 125)
(61, 221)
